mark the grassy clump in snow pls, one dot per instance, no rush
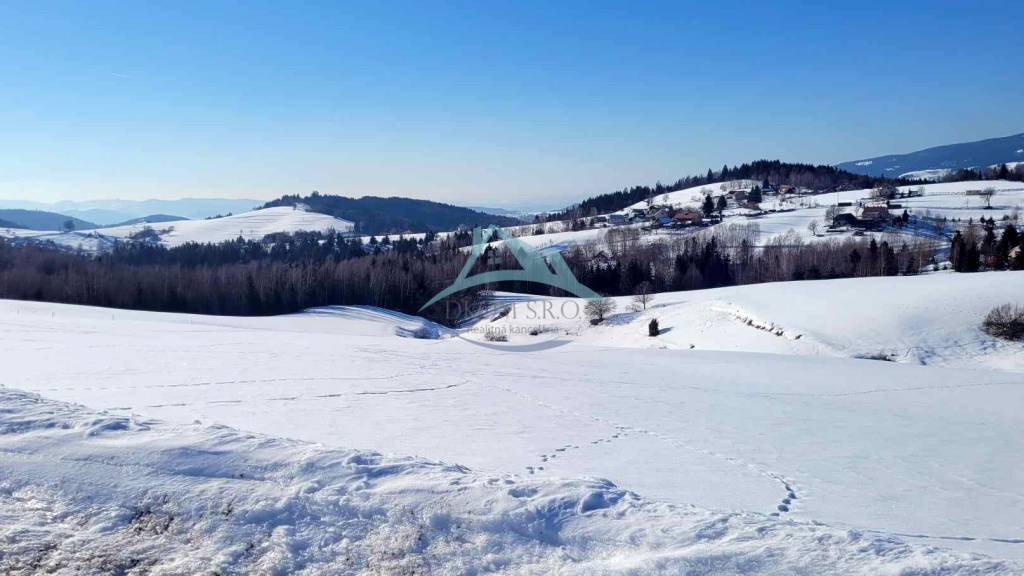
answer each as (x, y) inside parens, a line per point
(1006, 321)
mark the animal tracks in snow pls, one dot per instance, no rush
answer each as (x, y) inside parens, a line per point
(621, 431)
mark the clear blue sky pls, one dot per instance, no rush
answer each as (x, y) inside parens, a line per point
(485, 103)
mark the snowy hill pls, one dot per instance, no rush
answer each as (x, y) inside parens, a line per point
(918, 320)
(694, 196)
(252, 225)
(949, 157)
(956, 201)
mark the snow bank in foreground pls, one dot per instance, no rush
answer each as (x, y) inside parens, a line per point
(82, 491)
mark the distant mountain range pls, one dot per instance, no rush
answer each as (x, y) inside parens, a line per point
(525, 215)
(371, 214)
(110, 212)
(950, 157)
(42, 220)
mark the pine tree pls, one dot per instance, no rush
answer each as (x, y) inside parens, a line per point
(957, 251)
(721, 205)
(253, 301)
(708, 207)
(1007, 241)
(855, 259)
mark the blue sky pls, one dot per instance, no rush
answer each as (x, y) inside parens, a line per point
(532, 104)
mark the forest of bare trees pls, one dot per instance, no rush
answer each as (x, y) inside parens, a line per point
(729, 255)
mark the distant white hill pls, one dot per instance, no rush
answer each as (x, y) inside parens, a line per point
(252, 225)
(948, 157)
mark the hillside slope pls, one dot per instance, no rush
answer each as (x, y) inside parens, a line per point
(930, 320)
(874, 449)
(950, 157)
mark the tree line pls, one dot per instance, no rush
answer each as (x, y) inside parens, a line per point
(978, 247)
(240, 278)
(290, 272)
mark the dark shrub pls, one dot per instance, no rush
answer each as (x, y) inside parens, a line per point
(652, 328)
(1006, 321)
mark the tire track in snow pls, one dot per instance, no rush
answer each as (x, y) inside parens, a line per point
(248, 381)
(297, 397)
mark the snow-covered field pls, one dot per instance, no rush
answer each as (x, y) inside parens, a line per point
(696, 448)
(252, 225)
(96, 493)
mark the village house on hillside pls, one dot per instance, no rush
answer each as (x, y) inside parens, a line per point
(738, 197)
(879, 214)
(867, 217)
(688, 217)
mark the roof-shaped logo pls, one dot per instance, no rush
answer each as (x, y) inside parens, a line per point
(549, 269)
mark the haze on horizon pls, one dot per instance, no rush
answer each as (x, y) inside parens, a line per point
(510, 104)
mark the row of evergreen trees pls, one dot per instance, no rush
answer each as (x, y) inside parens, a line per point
(968, 254)
(290, 272)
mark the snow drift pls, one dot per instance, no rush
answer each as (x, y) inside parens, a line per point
(88, 492)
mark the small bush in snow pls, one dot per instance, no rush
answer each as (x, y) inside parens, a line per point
(596, 310)
(495, 336)
(652, 328)
(1006, 321)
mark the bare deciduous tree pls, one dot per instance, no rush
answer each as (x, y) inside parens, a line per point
(596, 310)
(987, 195)
(643, 295)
